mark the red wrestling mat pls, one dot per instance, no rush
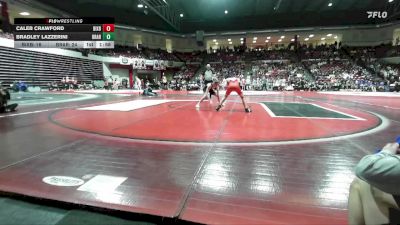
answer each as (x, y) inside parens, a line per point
(300, 183)
(129, 177)
(180, 121)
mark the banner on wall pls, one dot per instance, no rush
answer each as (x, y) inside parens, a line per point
(150, 63)
(142, 64)
(125, 60)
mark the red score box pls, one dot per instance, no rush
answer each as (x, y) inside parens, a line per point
(108, 27)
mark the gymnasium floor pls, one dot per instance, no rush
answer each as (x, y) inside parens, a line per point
(290, 161)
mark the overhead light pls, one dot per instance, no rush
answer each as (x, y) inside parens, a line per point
(226, 11)
(335, 37)
(280, 40)
(216, 43)
(268, 38)
(230, 42)
(215, 40)
(329, 35)
(254, 38)
(241, 42)
(181, 15)
(229, 39)
(311, 35)
(24, 14)
(140, 5)
(282, 37)
(241, 39)
(322, 39)
(292, 39)
(145, 6)
(307, 39)
(330, 4)
(391, 0)
(254, 41)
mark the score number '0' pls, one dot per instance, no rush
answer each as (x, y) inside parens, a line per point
(108, 27)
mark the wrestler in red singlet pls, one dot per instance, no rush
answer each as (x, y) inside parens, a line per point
(233, 85)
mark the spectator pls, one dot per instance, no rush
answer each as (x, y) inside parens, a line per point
(376, 188)
(164, 82)
(4, 98)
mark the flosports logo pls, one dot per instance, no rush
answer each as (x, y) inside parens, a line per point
(63, 181)
(377, 14)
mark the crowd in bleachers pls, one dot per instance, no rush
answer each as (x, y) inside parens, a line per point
(323, 67)
(365, 54)
(393, 52)
(388, 71)
(187, 72)
(320, 52)
(223, 56)
(390, 74)
(135, 52)
(182, 80)
(160, 54)
(265, 54)
(261, 75)
(119, 50)
(240, 54)
(342, 74)
(284, 75)
(224, 70)
(146, 53)
(191, 57)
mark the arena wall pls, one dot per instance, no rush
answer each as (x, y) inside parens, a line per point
(369, 36)
(348, 35)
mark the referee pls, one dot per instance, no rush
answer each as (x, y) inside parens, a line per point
(208, 77)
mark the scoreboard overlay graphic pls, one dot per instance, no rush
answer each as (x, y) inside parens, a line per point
(64, 33)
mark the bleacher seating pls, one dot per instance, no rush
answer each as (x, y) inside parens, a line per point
(320, 52)
(187, 72)
(40, 69)
(332, 66)
(190, 57)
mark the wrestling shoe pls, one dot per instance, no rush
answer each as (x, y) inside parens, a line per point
(197, 105)
(248, 110)
(218, 107)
